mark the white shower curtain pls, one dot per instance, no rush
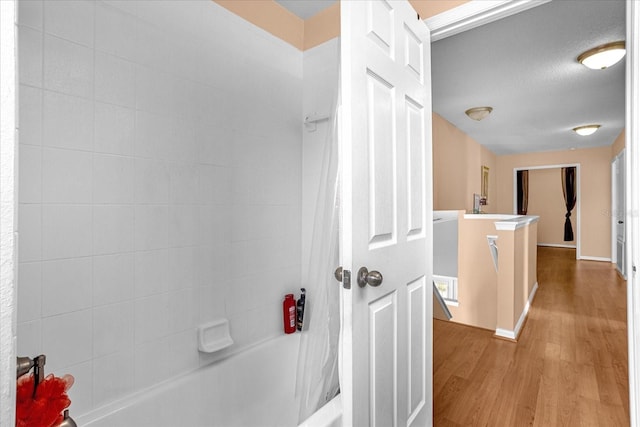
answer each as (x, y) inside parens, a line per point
(317, 373)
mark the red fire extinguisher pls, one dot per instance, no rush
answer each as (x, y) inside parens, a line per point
(289, 313)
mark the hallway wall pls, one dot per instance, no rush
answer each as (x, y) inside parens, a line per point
(595, 191)
(457, 166)
(547, 201)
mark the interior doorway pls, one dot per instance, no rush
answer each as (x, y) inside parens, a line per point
(575, 212)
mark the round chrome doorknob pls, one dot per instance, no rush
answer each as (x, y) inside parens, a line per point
(338, 274)
(371, 278)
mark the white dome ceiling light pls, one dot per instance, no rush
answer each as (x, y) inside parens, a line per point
(586, 130)
(604, 56)
(478, 113)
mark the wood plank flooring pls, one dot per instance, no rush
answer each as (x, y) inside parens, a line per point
(568, 368)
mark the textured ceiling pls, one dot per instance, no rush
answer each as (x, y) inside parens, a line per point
(524, 66)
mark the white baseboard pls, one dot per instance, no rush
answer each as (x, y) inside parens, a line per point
(594, 258)
(557, 245)
(512, 335)
(505, 333)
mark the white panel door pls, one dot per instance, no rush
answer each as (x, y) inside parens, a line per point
(386, 214)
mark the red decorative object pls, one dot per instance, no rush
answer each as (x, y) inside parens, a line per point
(46, 407)
(289, 314)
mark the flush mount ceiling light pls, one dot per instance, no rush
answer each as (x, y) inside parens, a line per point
(478, 113)
(586, 129)
(603, 56)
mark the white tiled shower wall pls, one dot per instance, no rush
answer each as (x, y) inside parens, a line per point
(159, 187)
(320, 69)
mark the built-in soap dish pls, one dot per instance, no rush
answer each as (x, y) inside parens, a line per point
(214, 336)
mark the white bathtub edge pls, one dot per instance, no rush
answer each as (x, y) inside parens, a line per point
(136, 397)
(330, 415)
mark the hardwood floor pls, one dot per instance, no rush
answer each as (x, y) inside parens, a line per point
(568, 368)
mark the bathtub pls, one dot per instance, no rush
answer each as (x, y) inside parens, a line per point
(253, 388)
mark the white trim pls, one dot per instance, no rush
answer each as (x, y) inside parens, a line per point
(499, 217)
(614, 199)
(345, 211)
(594, 258)
(616, 162)
(632, 162)
(8, 211)
(474, 14)
(556, 245)
(505, 333)
(577, 209)
(558, 166)
(512, 335)
(516, 223)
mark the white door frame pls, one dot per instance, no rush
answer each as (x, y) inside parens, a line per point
(614, 202)
(632, 189)
(577, 208)
(614, 211)
(8, 204)
(479, 12)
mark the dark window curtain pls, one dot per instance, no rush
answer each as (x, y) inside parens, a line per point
(523, 191)
(569, 191)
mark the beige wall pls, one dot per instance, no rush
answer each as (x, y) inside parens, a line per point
(477, 277)
(618, 145)
(510, 278)
(429, 8)
(457, 166)
(486, 298)
(547, 201)
(457, 161)
(594, 196)
(271, 17)
(517, 276)
(322, 27)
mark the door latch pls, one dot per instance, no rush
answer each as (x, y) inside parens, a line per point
(343, 276)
